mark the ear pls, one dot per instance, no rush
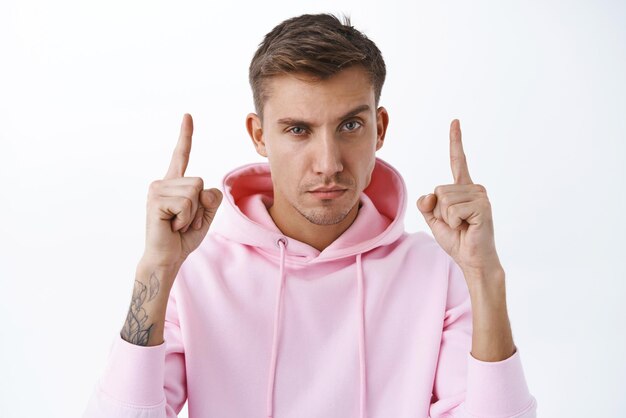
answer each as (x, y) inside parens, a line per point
(382, 120)
(255, 130)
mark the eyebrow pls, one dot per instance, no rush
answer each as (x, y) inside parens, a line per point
(353, 112)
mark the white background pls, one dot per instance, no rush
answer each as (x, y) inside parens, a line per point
(91, 99)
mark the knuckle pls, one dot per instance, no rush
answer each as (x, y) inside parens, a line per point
(481, 188)
(192, 194)
(154, 187)
(198, 183)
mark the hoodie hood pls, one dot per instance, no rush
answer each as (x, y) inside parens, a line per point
(248, 192)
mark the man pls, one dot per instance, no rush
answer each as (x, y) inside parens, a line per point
(308, 298)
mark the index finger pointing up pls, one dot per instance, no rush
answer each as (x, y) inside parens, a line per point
(180, 157)
(458, 163)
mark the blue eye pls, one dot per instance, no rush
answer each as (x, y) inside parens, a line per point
(296, 127)
(354, 123)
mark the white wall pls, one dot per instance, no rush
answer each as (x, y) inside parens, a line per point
(91, 98)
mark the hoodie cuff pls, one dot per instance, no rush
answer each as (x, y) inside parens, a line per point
(497, 388)
(134, 374)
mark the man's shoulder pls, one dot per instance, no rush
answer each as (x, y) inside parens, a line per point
(214, 246)
(421, 239)
(421, 242)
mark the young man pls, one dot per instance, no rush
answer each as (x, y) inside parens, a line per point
(308, 298)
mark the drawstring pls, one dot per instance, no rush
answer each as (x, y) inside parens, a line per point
(270, 386)
(361, 318)
(361, 306)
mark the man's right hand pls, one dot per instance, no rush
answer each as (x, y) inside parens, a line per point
(179, 209)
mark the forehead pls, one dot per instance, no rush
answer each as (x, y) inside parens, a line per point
(300, 95)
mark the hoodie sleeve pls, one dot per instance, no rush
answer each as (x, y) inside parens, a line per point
(146, 382)
(464, 386)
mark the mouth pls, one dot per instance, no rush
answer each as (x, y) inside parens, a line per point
(328, 192)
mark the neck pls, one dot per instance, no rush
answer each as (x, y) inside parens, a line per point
(296, 226)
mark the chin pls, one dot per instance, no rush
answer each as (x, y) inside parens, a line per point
(325, 217)
(328, 214)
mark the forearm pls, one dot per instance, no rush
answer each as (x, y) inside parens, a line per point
(492, 338)
(145, 321)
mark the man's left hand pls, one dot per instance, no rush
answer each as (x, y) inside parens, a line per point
(459, 216)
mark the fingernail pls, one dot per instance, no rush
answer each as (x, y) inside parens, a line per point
(211, 197)
(198, 223)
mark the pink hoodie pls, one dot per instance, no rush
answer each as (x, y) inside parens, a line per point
(379, 324)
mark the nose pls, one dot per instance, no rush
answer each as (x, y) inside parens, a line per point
(327, 155)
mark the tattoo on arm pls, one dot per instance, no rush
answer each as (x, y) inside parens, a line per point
(135, 330)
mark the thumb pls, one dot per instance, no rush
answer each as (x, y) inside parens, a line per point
(210, 200)
(426, 204)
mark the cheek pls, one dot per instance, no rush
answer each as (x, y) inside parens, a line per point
(364, 161)
(285, 174)
(366, 180)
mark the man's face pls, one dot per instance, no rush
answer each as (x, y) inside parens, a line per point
(320, 139)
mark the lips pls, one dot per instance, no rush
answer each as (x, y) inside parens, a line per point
(327, 189)
(328, 192)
